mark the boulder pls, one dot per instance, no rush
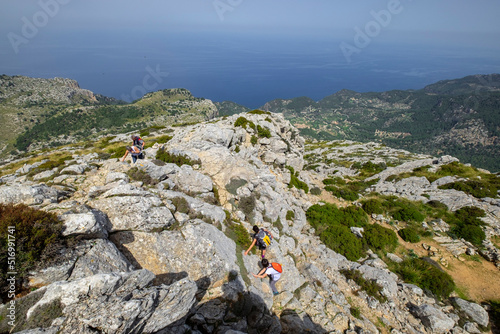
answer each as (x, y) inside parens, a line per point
(29, 195)
(433, 318)
(135, 213)
(93, 224)
(474, 311)
(75, 169)
(103, 257)
(199, 251)
(191, 181)
(118, 303)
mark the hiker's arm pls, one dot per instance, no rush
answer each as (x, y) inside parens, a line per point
(261, 274)
(253, 244)
(126, 153)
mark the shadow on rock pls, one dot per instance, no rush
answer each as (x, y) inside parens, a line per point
(235, 310)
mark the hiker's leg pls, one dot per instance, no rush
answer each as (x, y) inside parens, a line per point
(134, 158)
(273, 286)
(263, 252)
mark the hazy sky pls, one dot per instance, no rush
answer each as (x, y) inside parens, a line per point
(33, 32)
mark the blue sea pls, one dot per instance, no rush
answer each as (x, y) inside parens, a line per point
(248, 70)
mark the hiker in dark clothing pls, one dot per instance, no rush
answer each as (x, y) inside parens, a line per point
(262, 238)
(269, 271)
(138, 142)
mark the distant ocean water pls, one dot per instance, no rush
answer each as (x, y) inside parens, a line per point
(249, 71)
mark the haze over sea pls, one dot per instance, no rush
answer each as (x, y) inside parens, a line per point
(251, 53)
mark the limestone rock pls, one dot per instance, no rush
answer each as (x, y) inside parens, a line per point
(191, 181)
(93, 224)
(135, 213)
(433, 318)
(473, 310)
(29, 195)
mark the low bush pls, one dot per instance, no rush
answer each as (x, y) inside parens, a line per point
(373, 206)
(322, 216)
(370, 287)
(380, 238)
(355, 312)
(476, 188)
(340, 239)
(263, 132)
(426, 276)
(137, 174)
(181, 205)
(179, 160)
(409, 234)
(247, 205)
(36, 234)
(346, 194)
(253, 140)
(467, 225)
(243, 122)
(295, 181)
(408, 214)
(258, 112)
(316, 191)
(162, 139)
(290, 215)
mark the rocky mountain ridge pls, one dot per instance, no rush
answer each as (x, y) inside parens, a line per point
(161, 253)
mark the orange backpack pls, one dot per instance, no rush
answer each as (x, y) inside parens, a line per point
(276, 266)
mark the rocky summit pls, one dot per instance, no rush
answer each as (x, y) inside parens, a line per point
(157, 246)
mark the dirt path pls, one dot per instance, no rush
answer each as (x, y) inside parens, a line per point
(479, 281)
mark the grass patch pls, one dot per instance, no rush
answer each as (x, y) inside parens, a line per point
(295, 181)
(290, 215)
(258, 112)
(427, 276)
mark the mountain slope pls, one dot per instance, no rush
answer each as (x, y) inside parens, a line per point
(158, 246)
(457, 117)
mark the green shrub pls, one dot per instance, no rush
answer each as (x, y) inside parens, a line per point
(263, 132)
(426, 276)
(472, 233)
(243, 122)
(181, 205)
(290, 215)
(408, 214)
(259, 112)
(295, 181)
(370, 287)
(322, 216)
(355, 312)
(144, 133)
(346, 194)
(247, 205)
(373, 206)
(340, 239)
(409, 234)
(316, 191)
(253, 140)
(36, 232)
(179, 160)
(380, 238)
(332, 181)
(162, 139)
(137, 174)
(476, 188)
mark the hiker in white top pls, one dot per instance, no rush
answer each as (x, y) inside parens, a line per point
(270, 272)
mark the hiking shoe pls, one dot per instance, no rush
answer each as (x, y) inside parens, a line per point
(276, 293)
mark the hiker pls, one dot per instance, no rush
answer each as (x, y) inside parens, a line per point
(138, 142)
(273, 271)
(262, 238)
(134, 152)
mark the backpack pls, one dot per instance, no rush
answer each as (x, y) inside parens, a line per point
(276, 266)
(264, 238)
(138, 142)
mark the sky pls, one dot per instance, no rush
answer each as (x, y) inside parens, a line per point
(212, 46)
